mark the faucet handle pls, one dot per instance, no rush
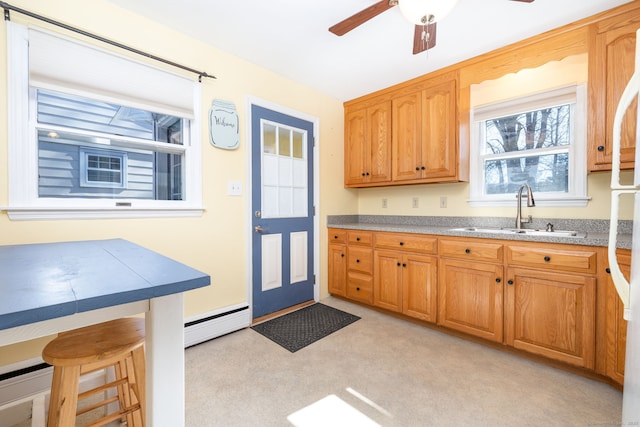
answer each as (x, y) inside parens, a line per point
(549, 227)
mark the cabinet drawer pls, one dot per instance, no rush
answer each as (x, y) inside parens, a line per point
(408, 242)
(357, 237)
(554, 259)
(360, 259)
(360, 287)
(469, 249)
(337, 235)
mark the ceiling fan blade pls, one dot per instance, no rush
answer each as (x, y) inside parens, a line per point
(420, 45)
(343, 27)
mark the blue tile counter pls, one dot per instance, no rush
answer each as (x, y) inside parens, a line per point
(597, 231)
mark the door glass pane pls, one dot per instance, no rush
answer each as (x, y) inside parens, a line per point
(284, 171)
(298, 145)
(284, 142)
(269, 138)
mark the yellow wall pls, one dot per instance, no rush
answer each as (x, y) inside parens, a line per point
(215, 243)
(571, 70)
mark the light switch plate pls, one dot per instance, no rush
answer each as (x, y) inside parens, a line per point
(234, 188)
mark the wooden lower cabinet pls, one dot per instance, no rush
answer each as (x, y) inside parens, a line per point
(615, 324)
(470, 298)
(551, 314)
(338, 269)
(406, 283)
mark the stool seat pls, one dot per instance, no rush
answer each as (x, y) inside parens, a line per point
(118, 344)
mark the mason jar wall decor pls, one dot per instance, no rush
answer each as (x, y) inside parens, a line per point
(224, 125)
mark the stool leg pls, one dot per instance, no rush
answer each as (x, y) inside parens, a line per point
(64, 396)
(124, 394)
(140, 387)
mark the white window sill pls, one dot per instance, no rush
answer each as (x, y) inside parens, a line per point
(568, 201)
(42, 213)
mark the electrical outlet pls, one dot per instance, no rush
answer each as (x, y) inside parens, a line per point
(384, 203)
(443, 201)
(415, 202)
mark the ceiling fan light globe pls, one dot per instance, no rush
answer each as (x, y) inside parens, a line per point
(415, 10)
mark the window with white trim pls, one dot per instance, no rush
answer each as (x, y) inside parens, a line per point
(539, 140)
(97, 134)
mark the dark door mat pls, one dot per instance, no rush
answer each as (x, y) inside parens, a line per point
(300, 328)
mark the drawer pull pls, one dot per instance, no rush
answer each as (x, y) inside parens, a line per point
(547, 258)
(357, 239)
(335, 237)
(357, 289)
(401, 243)
(467, 251)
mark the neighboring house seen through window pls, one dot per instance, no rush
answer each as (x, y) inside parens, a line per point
(98, 134)
(537, 140)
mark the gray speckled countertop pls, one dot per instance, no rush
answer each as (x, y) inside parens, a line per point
(596, 230)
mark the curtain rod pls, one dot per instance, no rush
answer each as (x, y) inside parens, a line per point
(7, 7)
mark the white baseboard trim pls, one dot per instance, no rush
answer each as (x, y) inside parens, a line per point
(216, 323)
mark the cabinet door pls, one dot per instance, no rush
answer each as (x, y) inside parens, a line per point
(470, 298)
(407, 132)
(616, 325)
(338, 269)
(419, 290)
(355, 147)
(378, 163)
(611, 63)
(387, 280)
(551, 314)
(439, 131)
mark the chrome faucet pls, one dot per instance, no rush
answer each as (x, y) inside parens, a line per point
(530, 203)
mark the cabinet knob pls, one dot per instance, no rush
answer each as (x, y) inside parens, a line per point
(358, 260)
(357, 239)
(422, 167)
(608, 270)
(362, 174)
(600, 148)
(547, 258)
(368, 174)
(510, 282)
(417, 168)
(398, 264)
(357, 289)
(335, 237)
(467, 251)
(404, 265)
(401, 243)
(342, 255)
(498, 280)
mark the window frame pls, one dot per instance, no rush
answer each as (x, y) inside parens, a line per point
(577, 191)
(86, 152)
(24, 202)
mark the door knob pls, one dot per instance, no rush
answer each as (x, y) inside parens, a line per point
(260, 229)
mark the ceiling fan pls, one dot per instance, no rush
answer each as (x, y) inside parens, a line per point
(422, 13)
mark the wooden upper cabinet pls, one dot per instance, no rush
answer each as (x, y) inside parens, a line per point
(368, 145)
(611, 65)
(425, 129)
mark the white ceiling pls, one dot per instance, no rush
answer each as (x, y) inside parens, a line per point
(291, 37)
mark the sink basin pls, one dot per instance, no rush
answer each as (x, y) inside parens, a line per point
(523, 231)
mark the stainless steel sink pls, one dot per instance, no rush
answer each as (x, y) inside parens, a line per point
(523, 231)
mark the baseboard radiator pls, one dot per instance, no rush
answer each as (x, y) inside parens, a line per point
(23, 384)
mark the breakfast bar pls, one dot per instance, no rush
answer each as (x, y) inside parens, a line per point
(52, 287)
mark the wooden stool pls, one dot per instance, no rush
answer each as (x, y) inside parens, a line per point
(118, 343)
